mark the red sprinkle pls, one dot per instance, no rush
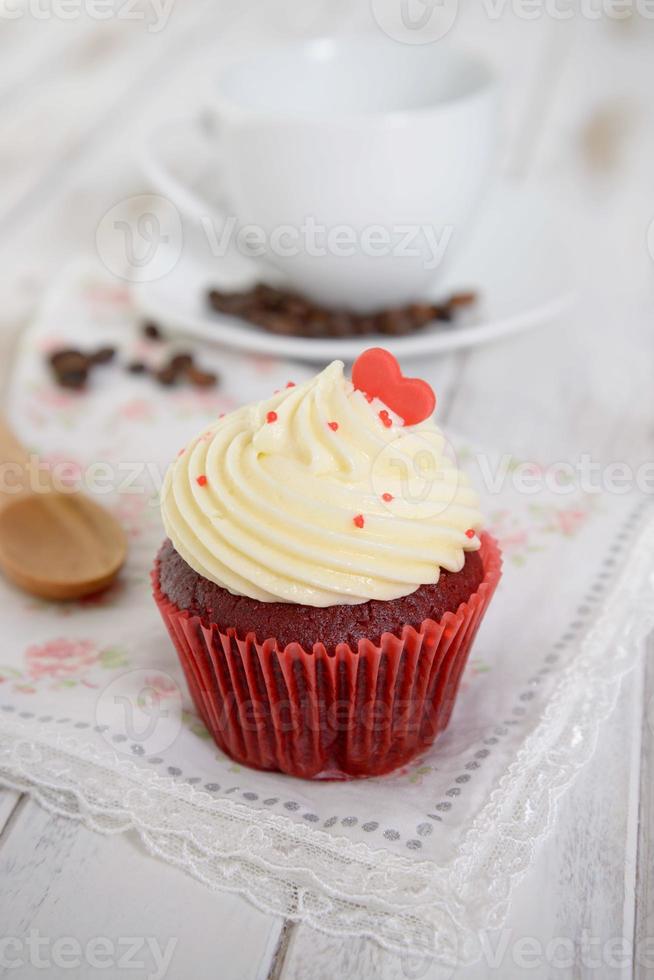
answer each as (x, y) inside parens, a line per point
(333, 426)
(470, 533)
(202, 481)
(181, 452)
(290, 384)
(387, 497)
(386, 419)
(359, 521)
(271, 417)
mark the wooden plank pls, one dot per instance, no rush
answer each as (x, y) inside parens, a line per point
(277, 959)
(582, 884)
(9, 800)
(570, 381)
(644, 919)
(116, 74)
(61, 880)
(68, 190)
(565, 401)
(28, 48)
(575, 892)
(68, 103)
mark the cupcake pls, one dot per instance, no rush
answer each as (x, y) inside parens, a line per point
(324, 574)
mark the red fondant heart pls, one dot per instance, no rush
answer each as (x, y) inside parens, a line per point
(377, 373)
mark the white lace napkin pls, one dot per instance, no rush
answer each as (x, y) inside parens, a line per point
(96, 721)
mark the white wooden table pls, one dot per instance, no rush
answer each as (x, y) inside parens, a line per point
(75, 97)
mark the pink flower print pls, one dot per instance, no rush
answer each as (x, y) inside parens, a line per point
(132, 511)
(162, 687)
(66, 472)
(142, 349)
(510, 538)
(106, 597)
(51, 343)
(513, 541)
(60, 658)
(156, 689)
(136, 410)
(49, 396)
(210, 403)
(263, 363)
(569, 521)
(105, 294)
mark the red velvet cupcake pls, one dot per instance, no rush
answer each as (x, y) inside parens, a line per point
(325, 574)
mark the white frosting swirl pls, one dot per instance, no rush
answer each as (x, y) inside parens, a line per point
(270, 506)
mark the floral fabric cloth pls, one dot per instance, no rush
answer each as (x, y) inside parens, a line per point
(95, 717)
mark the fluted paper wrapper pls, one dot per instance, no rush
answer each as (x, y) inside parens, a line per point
(313, 714)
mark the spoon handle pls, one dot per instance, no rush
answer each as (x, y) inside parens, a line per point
(14, 465)
(10, 448)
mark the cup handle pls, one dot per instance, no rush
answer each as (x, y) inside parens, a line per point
(193, 205)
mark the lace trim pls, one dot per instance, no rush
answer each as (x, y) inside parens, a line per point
(411, 907)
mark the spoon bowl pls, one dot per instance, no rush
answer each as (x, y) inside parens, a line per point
(60, 546)
(52, 544)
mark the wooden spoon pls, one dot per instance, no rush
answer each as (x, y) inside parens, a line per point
(52, 544)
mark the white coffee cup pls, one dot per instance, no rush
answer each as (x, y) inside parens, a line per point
(356, 164)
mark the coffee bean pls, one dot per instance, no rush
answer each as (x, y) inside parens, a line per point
(295, 305)
(288, 314)
(341, 325)
(103, 355)
(70, 368)
(136, 367)
(166, 376)
(276, 323)
(364, 325)
(444, 313)
(421, 313)
(317, 323)
(462, 299)
(233, 304)
(67, 357)
(181, 363)
(201, 379)
(394, 323)
(152, 331)
(269, 297)
(73, 379)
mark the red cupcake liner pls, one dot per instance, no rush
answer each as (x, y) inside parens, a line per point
(339, 715)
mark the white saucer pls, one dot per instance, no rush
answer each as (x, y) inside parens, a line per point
(514, 260)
